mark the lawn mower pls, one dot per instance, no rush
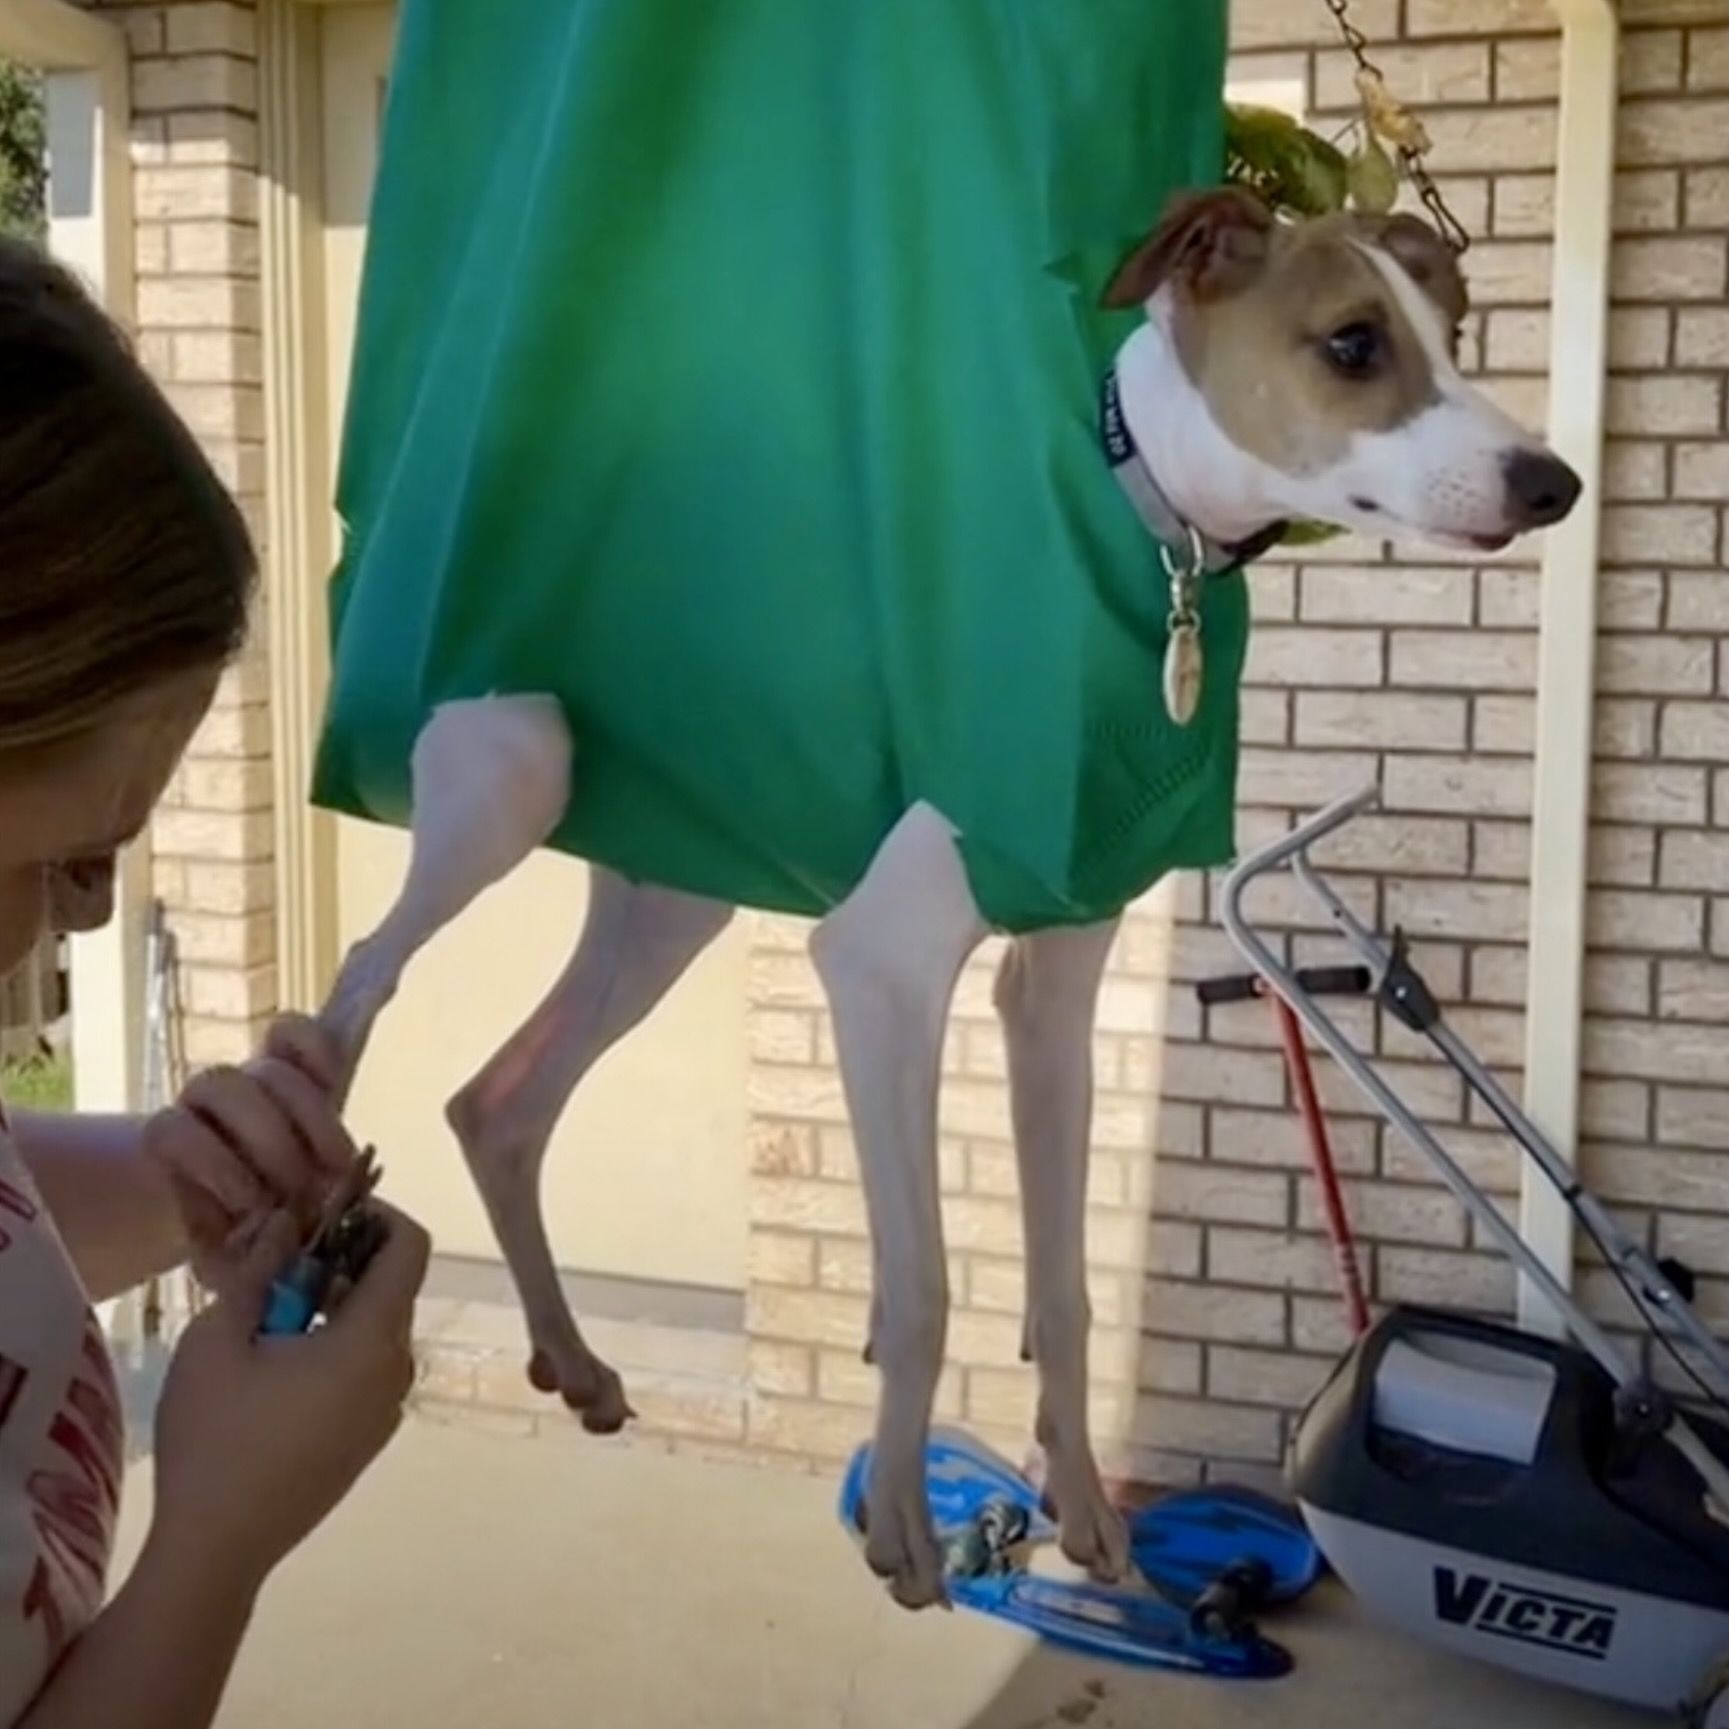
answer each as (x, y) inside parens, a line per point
(1539, 1503)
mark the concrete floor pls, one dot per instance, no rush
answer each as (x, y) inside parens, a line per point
(513, 1582)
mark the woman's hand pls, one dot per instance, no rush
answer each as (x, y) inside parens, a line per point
(241, 1142)
(257, 1439)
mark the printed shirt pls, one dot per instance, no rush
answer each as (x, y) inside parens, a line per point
(62, 1448)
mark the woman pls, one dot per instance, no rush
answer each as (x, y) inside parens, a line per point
(125, 577)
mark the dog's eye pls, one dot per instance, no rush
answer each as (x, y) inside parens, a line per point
(1354, 350)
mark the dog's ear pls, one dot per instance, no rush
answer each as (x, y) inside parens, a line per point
(1427, 259)
(1212, 243)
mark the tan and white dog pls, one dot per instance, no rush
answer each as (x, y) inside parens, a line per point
(1282, 371)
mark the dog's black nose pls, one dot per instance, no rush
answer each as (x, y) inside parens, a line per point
(1542, 485)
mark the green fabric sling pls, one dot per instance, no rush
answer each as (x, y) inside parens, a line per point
(729, 369)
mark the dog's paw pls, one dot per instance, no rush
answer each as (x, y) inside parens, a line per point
(586, 1384)
(1091, 1531)
(900, 1540)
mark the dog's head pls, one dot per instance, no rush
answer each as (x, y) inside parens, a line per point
(1325, 351)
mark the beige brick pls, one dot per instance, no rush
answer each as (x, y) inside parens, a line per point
(1654, 1050)
(1639, 336)
(1672, 130)
(779, 1149)
(213, 248)
(1308, 657)
(1646, 200)
(1696, 1117)
(1695, 731)
(801, 1426)
(1631, 599)
(1209, 1191)
(1702, 470)
(205, 193)
(213, 135)
(1528, 70)
(207, 835)
(210, 27)
(1618, 984)
(1624, 727)
(1614, 1109)
(230, 889)
(1489, 140)
(776, 1258)
(1647, 792)
(1654, 665)
(228, 993)
(1508, 599)
(217, 357)
(1502, 272)
(1693, 860)
(1524, 205)
(1702, 336)
(1693, 990)
(1389, 1213)
(1707, 198)
(1467, 784)
(1503, 724)
(1277, 1260)
(1264, 717)
(799, 1205)
(1667, 268)
(1300, 779)
(1694, 1181)
(1386, 594)
(192, 81)
(1672, 404)
(1214, 1430)
(211, 1042)
(1620, 857)
(1459, 1281)
(1435, 1093)
(818, 1317)
(812, 1095)
(144, 28)
(1434, 846)
(198, 302)
(1213, 1311)
(1698, 600)
(1431, 73)
(1518, 341)
(1273, 24)
(1260, 1137)
(774, 1367)
(1650, 61)
(1720, 925)
(1489, 1157)
(1463, 660)
(1708, 59)
(215, 939)
(220, 411)
(1522, 397)
(1170, 1366)
(1381, 719)
(1637, 919)
(150, 255)
(1484, 910)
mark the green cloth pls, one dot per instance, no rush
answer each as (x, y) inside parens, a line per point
(729, 369)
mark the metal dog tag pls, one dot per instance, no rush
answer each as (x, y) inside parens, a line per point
(1183, 669)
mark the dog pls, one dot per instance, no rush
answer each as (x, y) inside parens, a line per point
(1281, 371)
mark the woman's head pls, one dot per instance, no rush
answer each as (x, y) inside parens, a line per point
(126, 574)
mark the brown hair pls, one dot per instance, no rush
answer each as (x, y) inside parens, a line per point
(122, 558)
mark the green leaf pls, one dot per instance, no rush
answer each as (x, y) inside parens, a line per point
(1309, 534)
(1374, 180)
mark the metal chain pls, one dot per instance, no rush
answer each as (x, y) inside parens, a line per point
(1452, 230)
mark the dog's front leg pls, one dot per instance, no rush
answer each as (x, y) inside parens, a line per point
(1047, 993)
(889, 957)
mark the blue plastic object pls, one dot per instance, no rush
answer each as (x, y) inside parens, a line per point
(294, 1298)
(968, 1484)
(1181, 1543)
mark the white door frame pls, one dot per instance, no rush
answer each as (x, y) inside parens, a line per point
(88, 90)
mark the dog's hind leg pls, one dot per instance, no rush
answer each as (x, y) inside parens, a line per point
(889, 957)
(491, 778)
(1047, 993)
(635, 945)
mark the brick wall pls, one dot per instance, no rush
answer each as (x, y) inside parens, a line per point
(1214, 1302)
(195, 151)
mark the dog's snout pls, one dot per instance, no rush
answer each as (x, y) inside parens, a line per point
(1542, 486)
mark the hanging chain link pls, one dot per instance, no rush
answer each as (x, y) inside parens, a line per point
(1412, 141)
